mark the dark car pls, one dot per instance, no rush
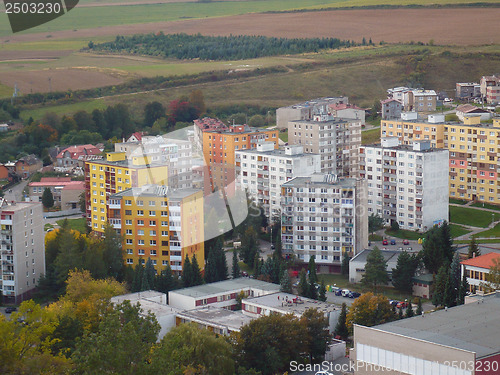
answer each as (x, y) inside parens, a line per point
(393, 303)
(338, 292)
(406, 242)
(354, 295)
(393, 242)
(10, 309)
(385, 242)
(273, 247)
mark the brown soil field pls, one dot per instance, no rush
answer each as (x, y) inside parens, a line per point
(32, 55)
(60, 79)
(455, 26)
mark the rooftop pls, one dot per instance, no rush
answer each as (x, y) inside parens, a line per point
(242, 283)
(217, 316)
(64, 181)
(401, 147)
(16, 206)
(76, 151)
(238, 129)
(466, 108)
(277, 152)
(149, 300)
(290, 303)
(389, 255)
(482, 261)
(155, 191)
(321, 180)
(318, 102)
(474, 326)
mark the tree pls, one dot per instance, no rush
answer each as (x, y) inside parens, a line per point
(369, 310)
(394, 226)
(455, 275)
(440, 286)
(341, 327)
(187, 273)
(419, 310)
(303, 284)
(493, 277)
(112, 254)
(464, 289)
(450, 294)
(165, 281)
(322, 291)
(47, 198)
(313, 278)
(345, 264)
(257, 121)
(409, 310)
(198, 102)
(249, 246)
(121, 344)
(148, 277)
(196, 272)
(375, 269)
(403, 273)
(138, 277)
(473, 249)
(269, 343)
(375, 223)
(286, 282)
(152, 112)
(317, 331)
(437, 248)
(236, 266)
(187, 349)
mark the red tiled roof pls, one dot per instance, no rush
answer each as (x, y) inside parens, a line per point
(77, 151)
(56, 183)
(466, 108)
(137, 135)
(208, 123)
(55, 179)
(388, 100)
(482, 261)
(75, 185)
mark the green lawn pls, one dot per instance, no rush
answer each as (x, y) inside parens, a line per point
(493, 240)
(471, 216)
(76, 224)
(486, 205)
(493, 232)
(284, 136)
(375, 237)
(88, 105)
(370, 136)
(457, 201)
(458, 230)
(405, 234)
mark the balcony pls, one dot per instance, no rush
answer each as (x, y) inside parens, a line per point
(175, 248)
(116, 223)
(6, 222)
(176, 268)
(177, 258)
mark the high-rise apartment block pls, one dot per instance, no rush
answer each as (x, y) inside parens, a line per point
(22, 249)
(263, 170)
(336, 140)
(323, 216)
(219, 147)
(406, 184)
(202, 125)
(159, 223)
(115, 174)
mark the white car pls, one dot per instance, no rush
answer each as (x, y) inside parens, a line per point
(323, 373)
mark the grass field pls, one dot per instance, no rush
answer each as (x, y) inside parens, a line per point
(405, 234)
(458, 230)
(486, 205)
(457, 201)
(284, 136)
(493, 232)
(370, 136)
(76, 224)
(5, 91)
(471, 216)
(65, 109)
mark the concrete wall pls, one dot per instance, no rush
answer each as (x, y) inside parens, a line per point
(181, 301)
(335, 350)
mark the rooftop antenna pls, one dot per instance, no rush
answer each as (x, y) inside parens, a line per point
(15, 94)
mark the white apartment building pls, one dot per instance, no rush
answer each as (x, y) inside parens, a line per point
(336, 140)
(323, 216)
(406, 183)
(22, 249)
(177, 154)
(263, 170)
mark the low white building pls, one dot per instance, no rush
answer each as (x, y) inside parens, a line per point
(262, 172)
(156, 303)
(215, 319)
(477, 269)
(220, 294)
(357, 264)
(406, 183)
(284, 303)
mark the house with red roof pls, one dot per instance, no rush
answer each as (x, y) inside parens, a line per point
(349, 111)
(65, 192)
(476, 269)
(469, 109)
(135, 137)
(75, 156)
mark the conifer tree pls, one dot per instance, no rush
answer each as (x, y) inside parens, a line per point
(322, 291)
(236, 266)
(196, 272)
(187, 273)
(341, 327)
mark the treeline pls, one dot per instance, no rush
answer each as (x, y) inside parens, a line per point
(233, 47)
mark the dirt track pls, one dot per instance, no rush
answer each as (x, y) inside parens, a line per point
(471, 26)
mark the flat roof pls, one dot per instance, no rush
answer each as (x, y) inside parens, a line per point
(233, 320)
(147, 302)
(474, 326)
(226, 286)
(406, 148)
(302, 181)
(279, 152)
(156, 191)
(389, 255)
(284, 302)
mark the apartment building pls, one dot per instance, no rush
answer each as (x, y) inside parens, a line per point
(473, 159)
(407, 184)
(467, 90)
(202, 125)
(477, 269)
(493, 95)
(219, 149)
(418, 100)
(409, 128)
(306, 110)
(488, 81)
(336, 140)
(59, 187)
(262, 171)
(391, 108)
(113, 175)
(175, 154)
(159, 223)
(324, 216)
(22, 249)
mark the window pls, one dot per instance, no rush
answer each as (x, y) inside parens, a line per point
(152, 223)
(152, 242)
(140, 212)
(152, 213)
(140, 203)
(152, 203)
(152, 233)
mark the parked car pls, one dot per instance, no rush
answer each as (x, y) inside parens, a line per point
(273, 247)
(400, 248)
(406, 242)
(244, 273)
(338, 292)
(393, 302)
(385, 242)
(354, 295)
(393, 242)
(345, 292)
(296, 284)
(10, 309)
(409, 248)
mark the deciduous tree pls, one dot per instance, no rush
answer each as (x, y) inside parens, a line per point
(369, 310)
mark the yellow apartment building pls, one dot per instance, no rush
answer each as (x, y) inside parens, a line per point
(474, 150)
(113, 175)
(159, 223)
